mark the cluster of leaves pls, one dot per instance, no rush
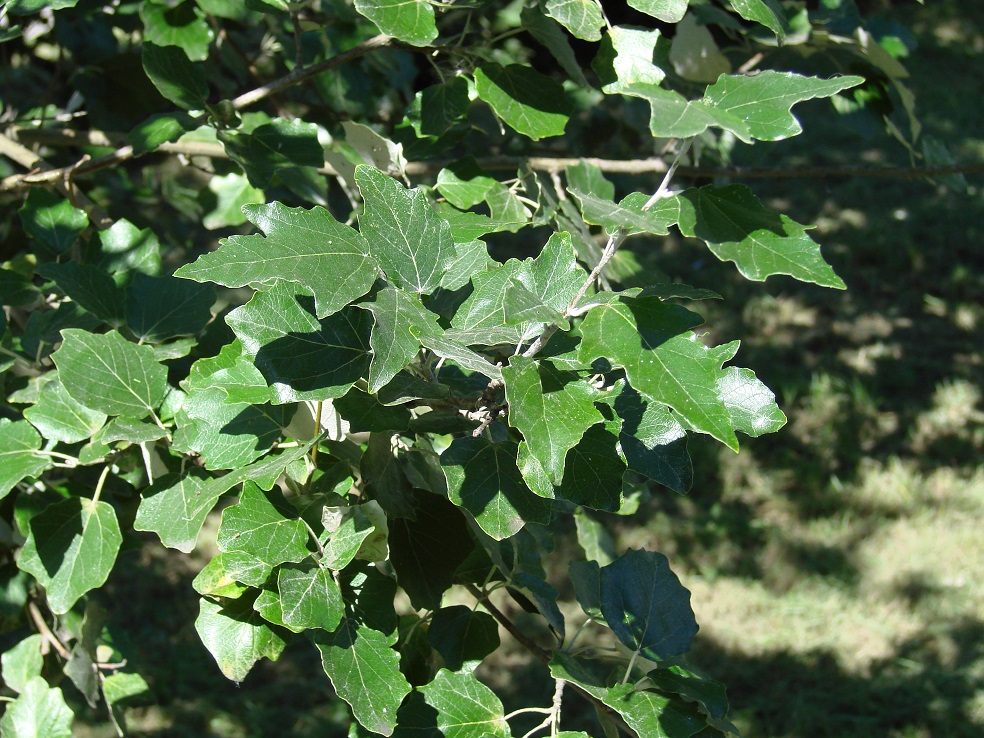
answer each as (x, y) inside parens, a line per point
(384, 413)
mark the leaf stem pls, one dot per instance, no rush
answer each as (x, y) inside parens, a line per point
(524, 640)
(628, 669)
(664, 186)
(99, 484)
(46, 632)
(317, 429)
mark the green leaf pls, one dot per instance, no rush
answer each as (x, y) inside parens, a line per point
(308, 247)
(594, 539)
(19, 443)
(407, 238)
(471, 258)
(651, 714)
(280, 144)
(463, 636)
(764, 101)
(17, 290)
(91, 288)
(39, 712)
(232, 192)
(669, 11)
(383, 478)
(646, 606)
(309, 598)
(738, 228)
(693, 688)
(453, 706)
(110, 374)
(158, 308)
(349, 534)
(583, 18)
(626, 58)
(694, 54)
(126, 248)
(71, 549)
(411, 21)
(426, 550)
(551, 408)
(184, 26)
(462, 355)
(441, 106)
(399, 318)
(301, 357)
(594, 470)
(662, 359)
(483, 478)
(766, 12)
(160, 129)
(223, 576)
(628, 215)
(464, 184)
(529, 102)
(51, 219)
(365, 672)
(752, 404)
(263, 525)
(60, 418)
(175, 76)
(236, 637)
(549, 33)
(22, 663)
(653, 441)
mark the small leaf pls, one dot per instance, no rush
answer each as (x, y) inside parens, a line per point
(646, 606)
(461, 354)
(264, 526)
(550, 33)
(483, 478)
(411, 21)
(529, 102)
(464, 184)
(236, 637)
(39, 711)
(52, 220)
(374, 149)
(629, 52)
(365, 672)
(92, 288)
(583, 18)
(175, 76)
(454, 706)
(653, 441)
(308, 247)
(752, 404)
(71, 549)
(232, 192)
(160, 129)
(22, 663)
(738, 228)
(471, 258)
(269, 148)
(309, 598)
(365, 413)
(766, 12)
(441, 106)
(652, 714)
(411, 242)
(463, 636)
(110, 374)
(19, 443)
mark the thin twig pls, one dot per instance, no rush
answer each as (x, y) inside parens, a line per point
(46, 632)
(538, 651)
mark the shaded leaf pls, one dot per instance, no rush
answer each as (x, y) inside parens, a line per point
(19, 443)
(52, 220)
(646, 606)
(453, 705)
(158, 308)
(653, 441)
(91, 288)
(160, 129)
(236, 637)
(272, 147)
(463, 636)
(175, 76)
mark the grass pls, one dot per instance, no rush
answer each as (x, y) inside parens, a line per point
(837, 568)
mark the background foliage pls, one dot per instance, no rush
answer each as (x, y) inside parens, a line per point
(710, 534)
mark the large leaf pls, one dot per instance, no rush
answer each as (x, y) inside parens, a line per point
(399, 318)
(365, 672)
(529, 102)
(662, 359)
(158, 308)
(301, 357)
(71, 548)
(52, 220)
(92, 288)
(263, 525)
(39, 712)
(411, 21)
(738, 228)
(110, 374)
(411, 242)
(237, 637)
(551, 408)
(652, 714)
(483, 478)
(22, 663)
(453, 706)
(646, 606)
(19, 444)
(583, 18)
(308, 247)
